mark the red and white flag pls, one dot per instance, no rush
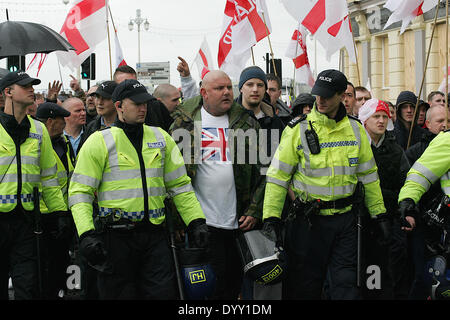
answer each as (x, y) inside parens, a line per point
(84, 28)
(327, 20)
(120, 61)
(298, 53)
(243, 27)
(203, 59)
(406, 10)
(443, 83)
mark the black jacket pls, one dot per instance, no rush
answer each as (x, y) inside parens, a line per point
(416, 150)
(402, 134)
(392, 169)
(270, 122)
(91, 127)
(158, 115)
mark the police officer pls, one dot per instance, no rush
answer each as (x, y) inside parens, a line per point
(132, 167)
(27, 161)
(322, 155)
(423, 176)
(58, 227)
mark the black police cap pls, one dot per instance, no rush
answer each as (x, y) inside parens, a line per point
(106, 89)
(131, 89)
(17, 77)
(329, 82)
(51, 110)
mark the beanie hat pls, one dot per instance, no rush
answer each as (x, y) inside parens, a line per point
(250, 73)
(406, 97)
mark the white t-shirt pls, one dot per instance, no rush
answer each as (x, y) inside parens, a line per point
(214, 182)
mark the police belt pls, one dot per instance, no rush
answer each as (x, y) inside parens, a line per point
(300, 206)
(123, 224)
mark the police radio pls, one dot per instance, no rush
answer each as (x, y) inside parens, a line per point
(313, 140)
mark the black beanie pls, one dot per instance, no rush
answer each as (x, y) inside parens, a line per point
(250, 73)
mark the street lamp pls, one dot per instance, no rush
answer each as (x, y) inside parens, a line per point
(138, 21)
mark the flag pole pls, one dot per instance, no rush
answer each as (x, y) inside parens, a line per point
(356, 56)
(109, 39)
(253, 56)
(423, 76)
(270, 44)
(296, 52)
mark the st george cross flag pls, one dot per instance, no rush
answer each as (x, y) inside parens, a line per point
(443, 83)
(120, 61)
(84, 28)
(406, 10)
(327, 20)
(297, 51)
(243, 27)
(203, 59)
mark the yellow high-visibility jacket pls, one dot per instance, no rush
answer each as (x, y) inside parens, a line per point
(434, 164)
(37, 168)
(108, 165)
(345, 158)
(63, 176)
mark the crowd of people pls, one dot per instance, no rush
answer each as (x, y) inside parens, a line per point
(115, 165)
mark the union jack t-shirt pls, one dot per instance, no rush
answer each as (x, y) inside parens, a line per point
(214, 181)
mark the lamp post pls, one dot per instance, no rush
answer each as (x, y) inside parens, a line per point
(138, 20)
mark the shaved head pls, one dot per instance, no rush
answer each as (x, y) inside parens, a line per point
(212, 76)
(217, 92)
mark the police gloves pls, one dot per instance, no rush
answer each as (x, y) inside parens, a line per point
(384, 226)
(407, 207)
(92, 248)
(198, 234)
(272, 228)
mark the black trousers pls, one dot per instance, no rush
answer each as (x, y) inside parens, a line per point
(329, 244)
(392, 260)
(141, 265)
(18, 258)
(226, 263)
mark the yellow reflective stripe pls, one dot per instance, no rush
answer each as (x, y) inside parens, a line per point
(7, 160)
(324, 191)
(356, 131)
(111, 147)
(49, 171)
(27, 177)
(419, 179)
(130, 193)
(51, 183)
(427, 173)
(279, 182)
(327, 172)
(117, 175)
(368, 178)
(62, 174)
(283, 166)
(181, 171)
(366, 165)
(29, 160)
(178, 190)
(86, 180)
(80, 198)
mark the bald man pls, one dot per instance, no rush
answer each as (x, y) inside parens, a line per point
(229, 191)
(435, 121)
(75, 123)
(169, 95)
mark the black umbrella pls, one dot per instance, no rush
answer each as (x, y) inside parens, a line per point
(18, 38)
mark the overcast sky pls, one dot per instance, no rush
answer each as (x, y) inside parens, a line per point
(177, 28)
